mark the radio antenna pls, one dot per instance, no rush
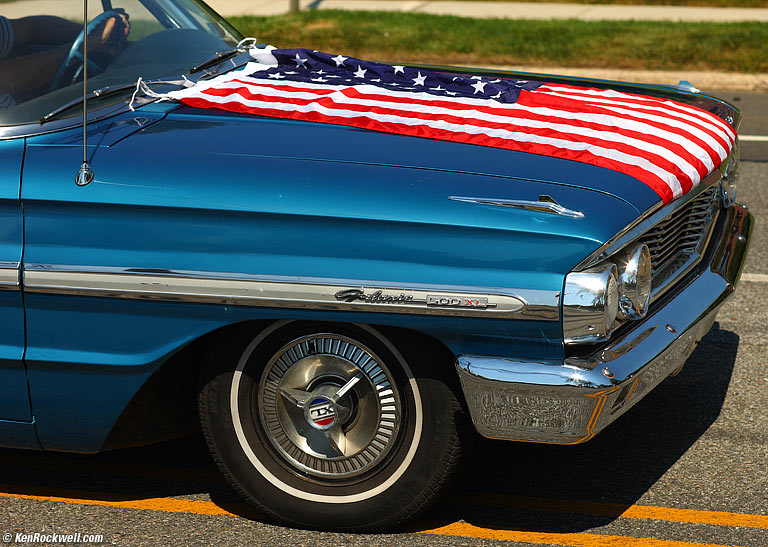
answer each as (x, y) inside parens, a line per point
(85, 173)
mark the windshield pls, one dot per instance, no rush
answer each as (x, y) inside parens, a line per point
(41, 61)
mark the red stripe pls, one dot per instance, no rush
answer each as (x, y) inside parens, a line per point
(656, 183)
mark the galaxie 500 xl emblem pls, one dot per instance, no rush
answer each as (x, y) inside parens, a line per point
(430, 300)
(378, 297)
(457, 302)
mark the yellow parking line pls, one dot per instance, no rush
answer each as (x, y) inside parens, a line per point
(170, 505)
(457, 529)
(461, 529)
(694, 516)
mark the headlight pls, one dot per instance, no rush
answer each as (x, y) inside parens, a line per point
(590, 304)
(635, 278)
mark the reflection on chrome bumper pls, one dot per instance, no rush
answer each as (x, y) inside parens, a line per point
(568, 402)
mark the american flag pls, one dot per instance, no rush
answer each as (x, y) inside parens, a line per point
(668, 145)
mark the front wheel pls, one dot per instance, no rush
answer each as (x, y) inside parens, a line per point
(330, 426)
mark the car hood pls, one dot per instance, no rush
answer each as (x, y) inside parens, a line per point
(170, 155)
(223, 134)
(328, 143)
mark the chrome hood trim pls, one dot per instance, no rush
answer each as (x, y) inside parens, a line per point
(540, 206)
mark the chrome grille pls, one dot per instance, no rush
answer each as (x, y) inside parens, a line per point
(679, 235)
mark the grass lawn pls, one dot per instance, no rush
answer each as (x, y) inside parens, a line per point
(415, 37)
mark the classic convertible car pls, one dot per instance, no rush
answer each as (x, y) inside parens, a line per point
(338, 296)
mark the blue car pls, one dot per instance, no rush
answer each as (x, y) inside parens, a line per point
(340, 306)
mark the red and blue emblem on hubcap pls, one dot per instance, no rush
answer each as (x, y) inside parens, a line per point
(321, 413)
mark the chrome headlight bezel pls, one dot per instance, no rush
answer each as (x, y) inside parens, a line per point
(590, 304)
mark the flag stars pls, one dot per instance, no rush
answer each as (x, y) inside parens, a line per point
(497, 96)
(276, 76)
(360, 72)
(479, 87)
(339, 60)
(300, 63)
(476, 78)
(419, 80)
(438, 88)
(319, 79)
(399, 69)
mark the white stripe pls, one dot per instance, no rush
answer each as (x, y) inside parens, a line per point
(753, 138)
(713, 144)
(660, 106)
(705, 116)
(755, 277)
(607, 153)
(601, 119)
(669, 120)
(563, 128)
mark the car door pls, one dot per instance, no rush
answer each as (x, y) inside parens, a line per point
(14, 398)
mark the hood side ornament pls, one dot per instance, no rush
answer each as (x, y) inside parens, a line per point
(545, 204)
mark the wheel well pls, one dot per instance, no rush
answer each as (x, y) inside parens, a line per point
(166, 405)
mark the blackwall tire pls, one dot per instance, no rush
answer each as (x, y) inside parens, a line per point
(331, 426)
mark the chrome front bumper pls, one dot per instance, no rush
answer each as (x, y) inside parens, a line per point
(570, 401)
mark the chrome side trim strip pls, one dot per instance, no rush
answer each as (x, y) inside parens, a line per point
(643, 223)
(291, 292)
(538, 206)
(9, 276)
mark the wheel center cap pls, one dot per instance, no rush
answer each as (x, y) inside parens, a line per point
(321, 412)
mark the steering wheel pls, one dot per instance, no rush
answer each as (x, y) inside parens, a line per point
(118, 40)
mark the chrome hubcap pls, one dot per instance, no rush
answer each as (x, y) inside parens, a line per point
(329, 406)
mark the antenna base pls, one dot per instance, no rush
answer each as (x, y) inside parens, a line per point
(84, 175)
